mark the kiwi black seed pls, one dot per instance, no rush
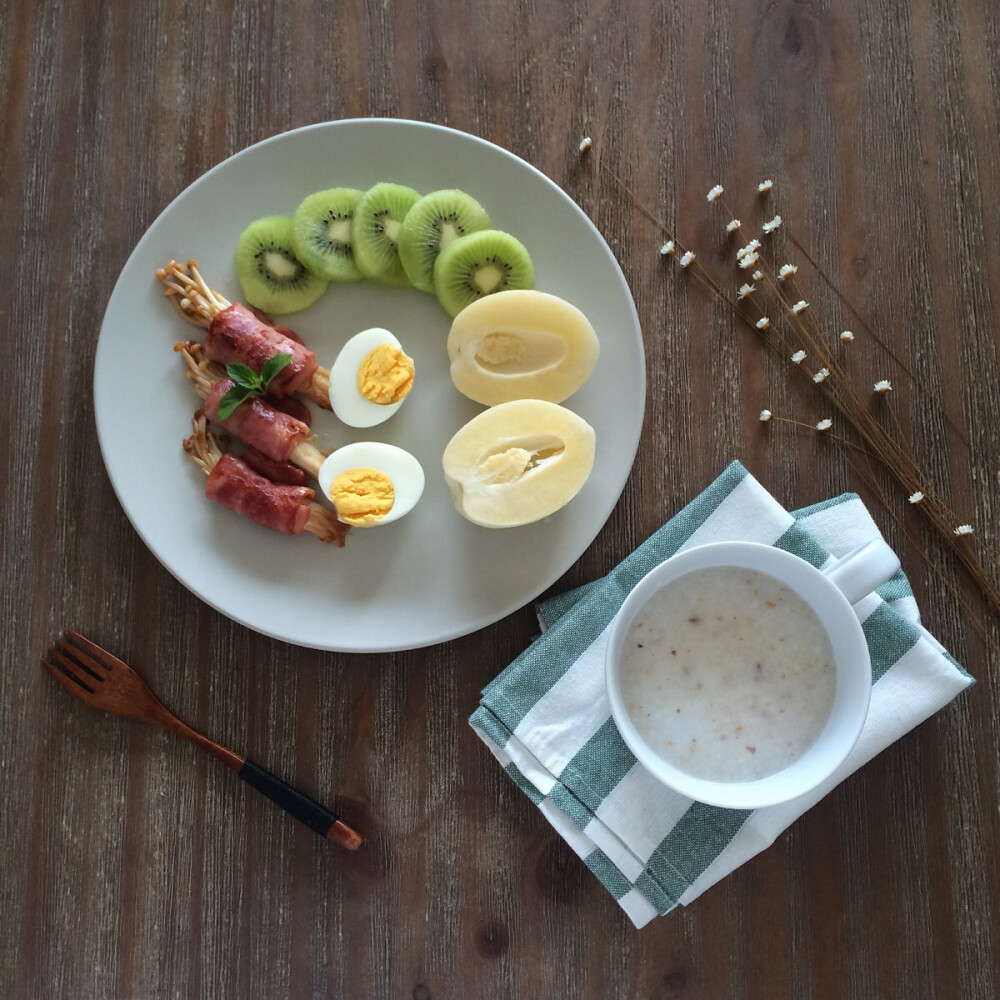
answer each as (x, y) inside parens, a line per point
(480, 264)
(321, 233)
(435, 221)
(271, 276)
(378, 217)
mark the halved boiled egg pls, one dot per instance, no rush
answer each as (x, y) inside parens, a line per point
(370, 378)
(371, 483)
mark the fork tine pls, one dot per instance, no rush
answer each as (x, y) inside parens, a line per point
(102, 658)
(70, 682)
(70, 655)
(68, 664)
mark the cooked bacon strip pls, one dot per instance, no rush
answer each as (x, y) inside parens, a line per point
(200, 305)
(257, 424)
(271, 505)
(205, 374)
(290, 334)
(277, 472)
(252, 500)
(293, 406)
(235, 334)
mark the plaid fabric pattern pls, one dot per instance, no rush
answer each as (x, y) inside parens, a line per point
(547, 721)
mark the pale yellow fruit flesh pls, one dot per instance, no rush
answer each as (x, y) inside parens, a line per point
(518, 462)
(521, 344)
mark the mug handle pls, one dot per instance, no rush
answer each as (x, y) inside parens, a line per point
(863, 569)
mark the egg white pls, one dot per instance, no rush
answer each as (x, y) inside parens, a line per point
(346, 399)
(400, 466)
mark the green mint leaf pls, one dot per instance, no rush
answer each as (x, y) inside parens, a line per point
(243, 375)
(232, 399)
(272, 366)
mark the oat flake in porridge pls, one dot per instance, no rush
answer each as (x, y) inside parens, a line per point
(728, 674)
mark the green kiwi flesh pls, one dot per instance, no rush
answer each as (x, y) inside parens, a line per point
(479, 264)
(435, 221)
(378, 218)
(271, 276)
(321, 233)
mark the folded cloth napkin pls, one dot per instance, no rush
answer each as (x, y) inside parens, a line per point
(547, 720)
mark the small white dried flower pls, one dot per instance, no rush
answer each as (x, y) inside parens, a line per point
(585, 143)
(798, 357)
(822, 375)
(883, 385)
(765, 416)
(748, 260)
(846, 335)
(964, 529)
(687, 260)
(748, 249)
(787, 271)
(757, 275)
(763, 323)
(716, 193)
(800, 306)
(667, 250)
(733, 225)
(825, 424)
(746, 290)
(769, 227)
(764, 187)
(916, 497)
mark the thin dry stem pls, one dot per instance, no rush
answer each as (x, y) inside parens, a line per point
(842, 393)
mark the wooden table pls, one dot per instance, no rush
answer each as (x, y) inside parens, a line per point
(134, 867)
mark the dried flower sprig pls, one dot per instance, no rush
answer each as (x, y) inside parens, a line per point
(837, 387)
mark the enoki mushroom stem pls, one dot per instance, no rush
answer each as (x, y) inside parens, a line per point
(189, 294)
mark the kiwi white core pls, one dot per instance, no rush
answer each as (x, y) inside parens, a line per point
(487, 278)
(339, 231)
(391, 229)
(279, 265)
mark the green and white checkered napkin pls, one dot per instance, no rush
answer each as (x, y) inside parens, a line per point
(547, 720)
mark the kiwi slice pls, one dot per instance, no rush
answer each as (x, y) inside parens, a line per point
(321, 233)
(480, 264)
(378, 218)
(271, 276)
(432, 223)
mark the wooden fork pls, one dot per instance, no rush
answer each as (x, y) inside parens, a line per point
(102, 681)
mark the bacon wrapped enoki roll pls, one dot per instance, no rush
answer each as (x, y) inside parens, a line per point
(257, 424)
(237, 333)
(280, 507)
(274, 433)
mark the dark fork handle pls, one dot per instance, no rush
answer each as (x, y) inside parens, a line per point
(315, 816)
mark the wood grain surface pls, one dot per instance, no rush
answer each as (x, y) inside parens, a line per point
(134, 867)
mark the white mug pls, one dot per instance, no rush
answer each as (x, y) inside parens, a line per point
(830, 593)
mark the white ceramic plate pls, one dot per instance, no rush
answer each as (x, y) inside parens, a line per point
(430, 576)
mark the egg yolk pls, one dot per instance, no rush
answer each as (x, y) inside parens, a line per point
(362, 496)
(385, 375)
